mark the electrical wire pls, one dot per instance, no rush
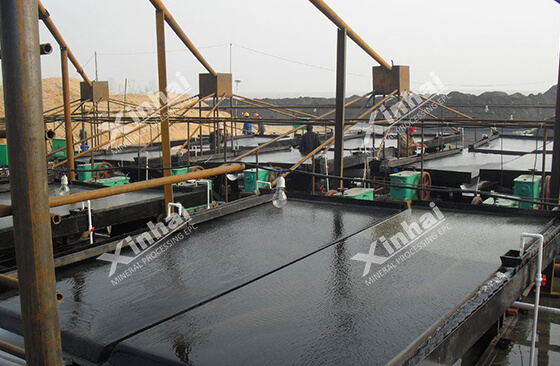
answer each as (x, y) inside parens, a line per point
(294, 61)
(154, 52)
(83, 67)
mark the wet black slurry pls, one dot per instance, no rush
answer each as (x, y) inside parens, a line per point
(322, 310)
(218, 256)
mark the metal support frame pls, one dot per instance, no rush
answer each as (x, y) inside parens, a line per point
(329, 13)
(164, 110)
(182, 36)
(67, 112)
(46, 18)
(340, 105)
(28, 173)
(555, 174)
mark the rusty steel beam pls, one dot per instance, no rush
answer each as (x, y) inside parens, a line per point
(146, 184)
(12, 350)
(79, 142)
(329, 141)
(153, 139)
(9, 282)
(6, 210)
(158, 4)
(67, 113)
(97, 147)
(340, 115)
(258, 148)
(164, 104)
(329, 13)
(276, 106)
(46, 18)
(21, 67)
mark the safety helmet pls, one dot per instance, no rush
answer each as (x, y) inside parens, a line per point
(246, 114)
(256, 115)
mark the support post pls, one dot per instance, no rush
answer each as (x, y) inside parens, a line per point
(21, 69)
(67, 113)
(340, 106)
(555, 173)
(162, 76)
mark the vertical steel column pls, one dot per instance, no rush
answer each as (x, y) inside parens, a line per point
(555, 174)
(543, 167)
(340, 114)
(67, 112)
(162, 75)
(28, 174)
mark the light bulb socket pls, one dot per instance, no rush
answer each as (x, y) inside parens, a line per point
(281, 182)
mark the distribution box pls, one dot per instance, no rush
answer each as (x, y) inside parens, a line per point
(527, 187)
(408, 179)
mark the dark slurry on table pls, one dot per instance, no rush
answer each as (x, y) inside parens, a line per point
(218, 256)
(321, 311)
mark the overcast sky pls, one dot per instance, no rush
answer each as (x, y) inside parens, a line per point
(474, 46)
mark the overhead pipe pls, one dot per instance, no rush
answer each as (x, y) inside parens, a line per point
(46, 18)
(44, 49)
(329, 13)
(182, 36)
(6, 210)
(138, 186)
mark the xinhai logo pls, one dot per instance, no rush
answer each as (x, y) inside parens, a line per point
(145, 247)
(403, 245)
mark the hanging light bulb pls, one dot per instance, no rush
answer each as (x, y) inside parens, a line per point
(280, 199)
(64, 189)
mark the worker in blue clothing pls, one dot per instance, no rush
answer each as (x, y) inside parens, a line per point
(247, 126)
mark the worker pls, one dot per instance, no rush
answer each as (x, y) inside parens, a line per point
(213, 140)
(260, 124)
(83, 135)
(309, 141)
(247, 126)
(407, 144)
